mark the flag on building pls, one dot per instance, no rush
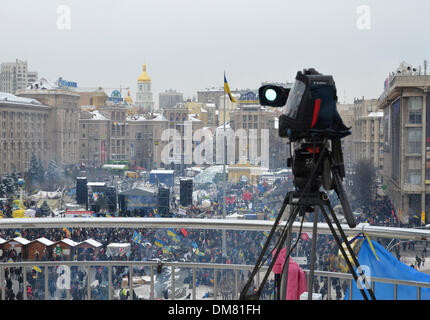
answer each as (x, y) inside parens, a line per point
(227, 89)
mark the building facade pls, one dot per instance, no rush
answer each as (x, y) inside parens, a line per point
(169, 99)
(63, 123)
(262, 121)
(368, 133)
(406, 122)
(25, 130)
(15, 76)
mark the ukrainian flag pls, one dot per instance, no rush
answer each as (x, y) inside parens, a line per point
(18, 233)
(198, 252)
(227, 89)
(173, 234)
(159, 243)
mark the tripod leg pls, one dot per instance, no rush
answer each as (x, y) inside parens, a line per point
(313, 255)
(278, 248)
(257, 266)
(339, 243)
(351, 252)
(284, 275)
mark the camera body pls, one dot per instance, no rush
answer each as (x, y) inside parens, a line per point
(309, 107)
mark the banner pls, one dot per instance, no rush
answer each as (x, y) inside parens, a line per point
(102, 152)
(395, 141)
(427, 176)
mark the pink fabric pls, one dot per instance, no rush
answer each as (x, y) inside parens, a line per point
(297, 283)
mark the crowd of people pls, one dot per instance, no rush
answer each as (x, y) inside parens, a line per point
(194, 245)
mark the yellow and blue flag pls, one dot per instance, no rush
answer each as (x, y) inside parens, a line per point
(173, 234)
(137, 238)
(198, 252)
(159, 243)
(227, 89)
(18, 233)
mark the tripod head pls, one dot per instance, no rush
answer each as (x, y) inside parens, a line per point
(318, 162)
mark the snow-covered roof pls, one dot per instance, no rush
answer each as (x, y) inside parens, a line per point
(45, 241)
(10, 98)
(158, 117)
(192, 118)
(376, 114)
(136, 117)
(92, 242)
(2, 241)
(21, 240)
(70, 242)
(97, 115)
(162, 171)
(115, 166)
(43, 83)
(227, 126)
(213, 89)
(96, 184)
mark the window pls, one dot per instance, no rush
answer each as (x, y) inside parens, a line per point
(415, 109)
(414, 140)
(414, 177)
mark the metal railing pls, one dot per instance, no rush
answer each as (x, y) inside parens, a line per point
(208, 224)
(220, 224)
(87, 265)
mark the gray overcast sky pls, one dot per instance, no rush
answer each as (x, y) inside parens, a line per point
(187, 44)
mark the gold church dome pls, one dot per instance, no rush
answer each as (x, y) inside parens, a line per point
(144, 77)
(128, 99)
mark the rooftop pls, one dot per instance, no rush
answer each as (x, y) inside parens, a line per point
(12, 99)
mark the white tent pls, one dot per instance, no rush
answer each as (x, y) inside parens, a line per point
(46, 195)
(30, 213)
(234, 216)
(118, 249)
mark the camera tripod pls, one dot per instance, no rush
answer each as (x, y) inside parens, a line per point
(300, 202)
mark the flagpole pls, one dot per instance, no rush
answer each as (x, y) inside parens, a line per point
(224, 214)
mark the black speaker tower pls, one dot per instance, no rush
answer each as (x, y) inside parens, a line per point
(186, 192)
(163, 201)
(81, 190)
